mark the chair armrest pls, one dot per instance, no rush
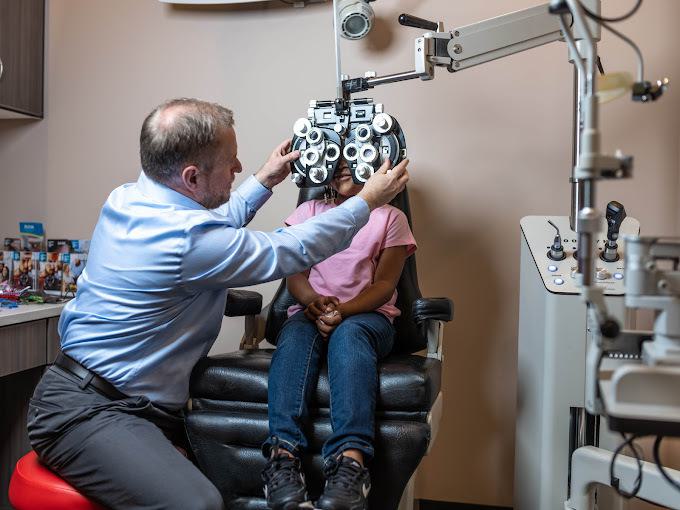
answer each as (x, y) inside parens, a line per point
(243, 302)
(440, 309)
(430, 315)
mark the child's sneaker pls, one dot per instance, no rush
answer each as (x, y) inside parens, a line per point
(347, 485)
(284, 483)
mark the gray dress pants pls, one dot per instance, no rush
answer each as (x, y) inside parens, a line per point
(119, 453)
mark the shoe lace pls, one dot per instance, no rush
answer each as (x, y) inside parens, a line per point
(343, 476)
(282, 470)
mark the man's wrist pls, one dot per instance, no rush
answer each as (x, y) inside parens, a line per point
(267, 182)
(369, 202)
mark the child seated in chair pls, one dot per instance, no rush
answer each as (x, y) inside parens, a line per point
(345, 314)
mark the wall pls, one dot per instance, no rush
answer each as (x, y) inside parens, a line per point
(488, 146)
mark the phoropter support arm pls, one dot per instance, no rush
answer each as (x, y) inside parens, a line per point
(469, 45)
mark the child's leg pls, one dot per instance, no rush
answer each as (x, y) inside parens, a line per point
(292, 380)
(354, 349)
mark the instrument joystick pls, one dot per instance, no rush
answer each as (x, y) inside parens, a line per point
(615, 215)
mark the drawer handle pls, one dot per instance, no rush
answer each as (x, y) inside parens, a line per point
(2, 68)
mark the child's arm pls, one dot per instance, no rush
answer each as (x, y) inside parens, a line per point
(299, 287)
(315, 304)
(390, 266)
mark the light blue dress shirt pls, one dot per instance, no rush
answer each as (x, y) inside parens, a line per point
(151, 298)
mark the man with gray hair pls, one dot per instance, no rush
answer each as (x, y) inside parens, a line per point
(107, 416)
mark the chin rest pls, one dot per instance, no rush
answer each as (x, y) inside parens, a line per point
(228, 421)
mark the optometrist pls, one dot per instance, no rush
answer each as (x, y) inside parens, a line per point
(107, 416)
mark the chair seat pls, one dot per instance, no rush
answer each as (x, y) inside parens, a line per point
(409, 384)
(35, 487)
(228, 424)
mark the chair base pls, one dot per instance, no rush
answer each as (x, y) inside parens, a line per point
(227, 448)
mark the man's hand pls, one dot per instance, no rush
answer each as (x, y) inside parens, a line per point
(277, 166)
(327, 322)
(384, 185)
(320, 306)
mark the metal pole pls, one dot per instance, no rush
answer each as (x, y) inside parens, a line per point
(392, 78)
(576, 185)
(338, 71)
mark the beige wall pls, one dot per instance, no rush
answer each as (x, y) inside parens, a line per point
(488, 146)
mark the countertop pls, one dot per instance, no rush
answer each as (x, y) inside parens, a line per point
(27, 313)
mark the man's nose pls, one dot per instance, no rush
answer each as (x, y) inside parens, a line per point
(239, 167)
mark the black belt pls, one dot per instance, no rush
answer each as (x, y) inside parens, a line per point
(88, 377)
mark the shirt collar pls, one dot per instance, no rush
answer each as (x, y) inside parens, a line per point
(164, 194)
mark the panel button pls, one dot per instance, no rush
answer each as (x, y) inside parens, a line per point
(602, 274)
(558, 281)
(618, 276)
(552, 268)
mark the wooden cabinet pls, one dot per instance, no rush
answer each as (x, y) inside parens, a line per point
(25, 349)
(23, 346)
(22, 41)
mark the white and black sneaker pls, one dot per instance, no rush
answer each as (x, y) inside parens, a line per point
(284, 483)
(347, 485)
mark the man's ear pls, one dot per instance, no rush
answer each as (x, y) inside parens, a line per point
(189, 177)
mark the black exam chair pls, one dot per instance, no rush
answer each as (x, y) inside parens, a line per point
(227, 422)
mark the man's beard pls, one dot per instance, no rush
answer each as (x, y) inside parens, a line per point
(214, 200)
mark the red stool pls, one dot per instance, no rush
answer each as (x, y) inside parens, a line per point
(34, 487)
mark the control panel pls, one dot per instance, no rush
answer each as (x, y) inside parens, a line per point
(552, 244)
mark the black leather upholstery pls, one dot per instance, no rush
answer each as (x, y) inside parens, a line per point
(440, 309)
(227, 447)
(228, 421)
(242, 302)
(407, 383)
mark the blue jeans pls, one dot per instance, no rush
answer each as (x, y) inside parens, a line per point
(352, 351)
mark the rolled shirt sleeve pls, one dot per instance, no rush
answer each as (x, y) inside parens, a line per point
(219, 256)
(244, 202)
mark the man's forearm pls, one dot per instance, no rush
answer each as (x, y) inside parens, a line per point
(227, 257)
(265, 179)
(244, 202)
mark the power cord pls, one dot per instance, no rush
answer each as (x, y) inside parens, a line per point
(629, 41)
(616, 482)
(657, 460)
(602, 19)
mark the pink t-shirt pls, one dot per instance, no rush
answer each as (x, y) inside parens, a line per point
(347, 273)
